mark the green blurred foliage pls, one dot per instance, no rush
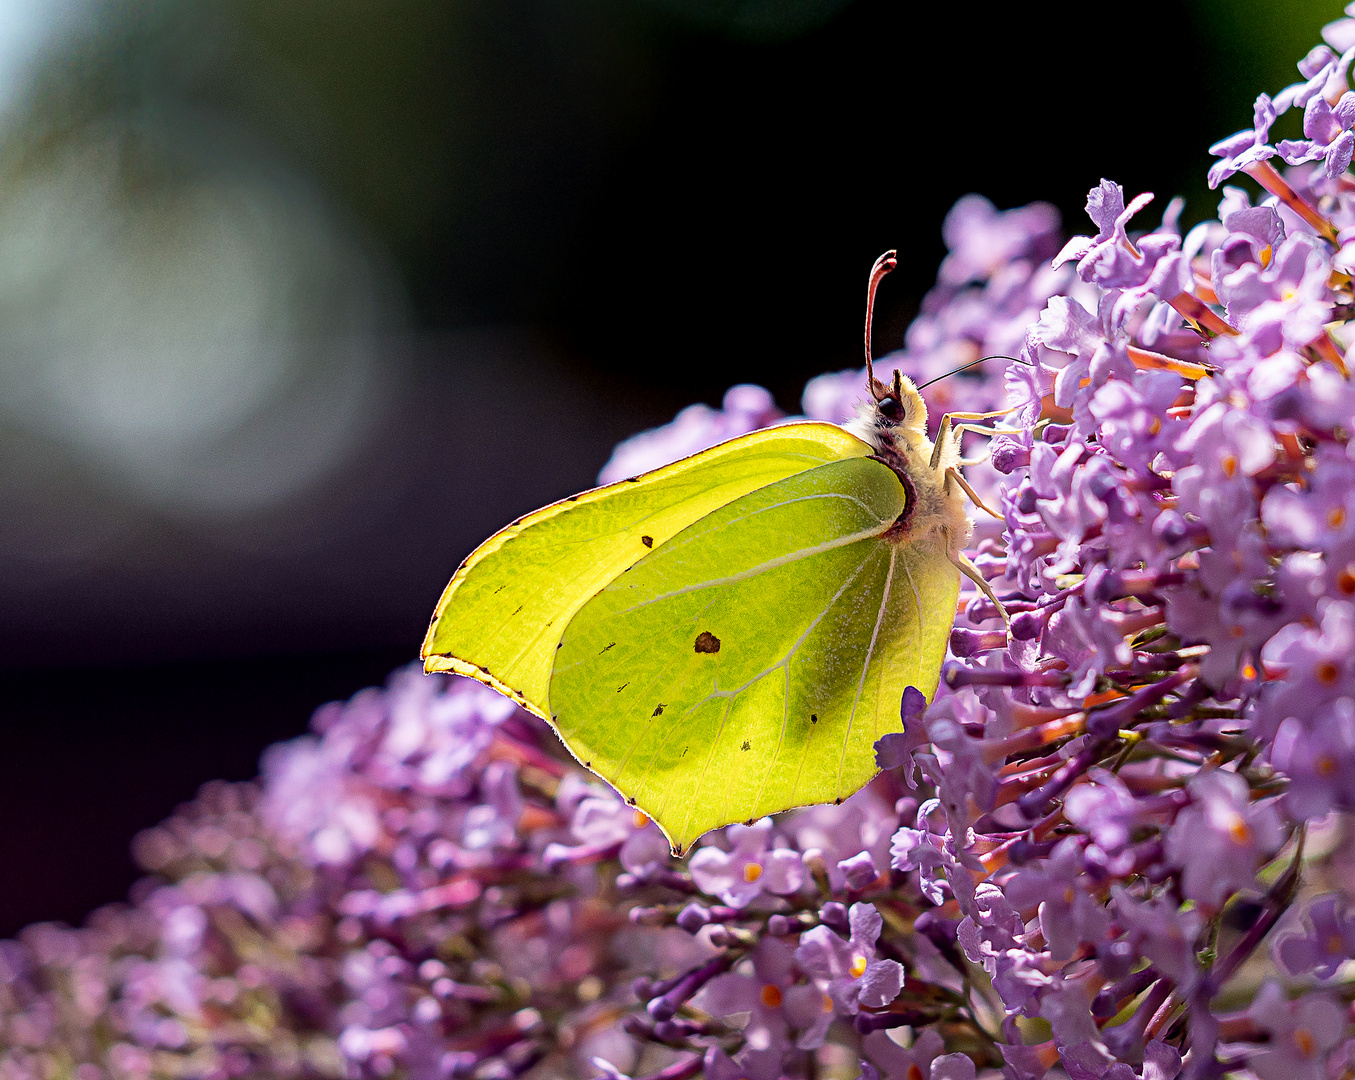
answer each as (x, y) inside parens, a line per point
(527, 161)
(754, 20)
(425, 121)
(1256, 44)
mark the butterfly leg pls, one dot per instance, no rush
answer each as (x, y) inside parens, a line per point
(944, 434)
(974, 497)
(982, 429)
(969, 570)
(986, 429)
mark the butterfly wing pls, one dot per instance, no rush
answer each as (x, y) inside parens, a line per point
(748, 665)
(501, 617)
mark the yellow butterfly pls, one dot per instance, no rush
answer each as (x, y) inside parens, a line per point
(727, 636)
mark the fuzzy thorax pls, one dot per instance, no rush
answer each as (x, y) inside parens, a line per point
(937, 514)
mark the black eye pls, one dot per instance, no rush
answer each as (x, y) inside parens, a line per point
(890, 408)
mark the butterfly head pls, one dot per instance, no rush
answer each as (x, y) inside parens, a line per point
(898, 405)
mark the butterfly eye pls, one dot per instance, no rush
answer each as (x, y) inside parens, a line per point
(890, 408)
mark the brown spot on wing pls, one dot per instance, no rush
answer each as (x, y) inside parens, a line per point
(706, 642)
(648, 541)
(658, 710)
(746, 745)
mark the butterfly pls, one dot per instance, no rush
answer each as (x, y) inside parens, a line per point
(726, 637)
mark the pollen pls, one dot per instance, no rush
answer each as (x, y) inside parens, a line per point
(1229, 465)
(1345, 580)
(858, 967)
(1248, 672)
(751, 872)
(771, 995)
(1304, 1041)
(639, 820)
(1238, 830)
(1327, 672)
(1266, 253)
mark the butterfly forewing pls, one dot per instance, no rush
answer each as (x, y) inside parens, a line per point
(748, 665)
(502, 616)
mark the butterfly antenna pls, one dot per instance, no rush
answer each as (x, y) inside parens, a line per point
(972, 363)
(883, 265)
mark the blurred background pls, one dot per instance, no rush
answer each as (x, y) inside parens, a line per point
(299, 302)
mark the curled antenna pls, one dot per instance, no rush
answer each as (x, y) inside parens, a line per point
(883, 265)
(972, 363)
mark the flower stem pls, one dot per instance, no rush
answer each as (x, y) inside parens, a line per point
(1264, 173)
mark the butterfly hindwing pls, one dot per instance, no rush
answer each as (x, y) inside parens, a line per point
(749, 664)
(506, 608)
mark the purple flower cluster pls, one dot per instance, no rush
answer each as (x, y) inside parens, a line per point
(1119, 843)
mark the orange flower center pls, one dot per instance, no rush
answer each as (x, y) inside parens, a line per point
(1229, 465)
(858, 967)
(771, 995)
(1327, 672)
(1239, 830)
(1345, 580)
(1303, 1039)
(639, 820)
(751, 872)
(1336, 516)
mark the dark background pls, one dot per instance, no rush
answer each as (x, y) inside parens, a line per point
(298, 302)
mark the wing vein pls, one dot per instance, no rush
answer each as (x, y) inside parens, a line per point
(770, 564)
(865, 667)
(785, 662)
